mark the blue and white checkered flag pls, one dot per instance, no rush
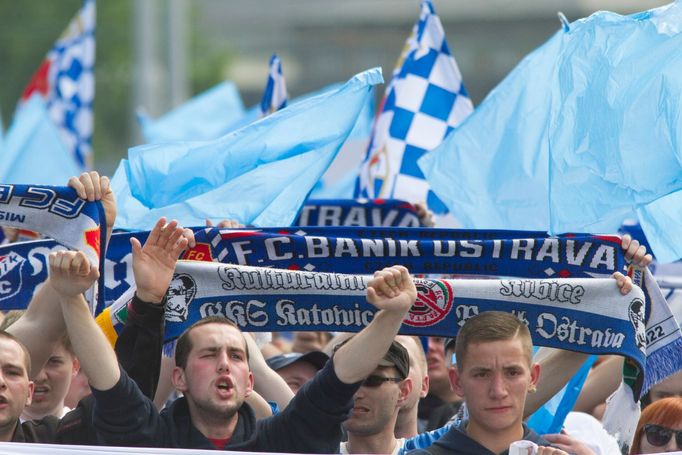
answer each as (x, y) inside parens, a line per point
(423, 103)
(66, 81)
(275, 95)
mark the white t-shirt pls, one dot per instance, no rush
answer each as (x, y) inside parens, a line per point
(396, 450)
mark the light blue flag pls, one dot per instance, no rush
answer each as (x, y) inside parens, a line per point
(33, 151)
(342, 188)
(259, 174)
(219, 111)
(361, 130)
(583, 132)
(207, 116)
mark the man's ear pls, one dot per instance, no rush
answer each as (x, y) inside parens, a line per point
(534, 374)
(29, 397)
(75, 367)
(425, 386)
(249, 388)
(405, 389)
(455, 381)
(179, 379)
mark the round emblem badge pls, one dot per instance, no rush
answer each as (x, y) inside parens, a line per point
(434, 301)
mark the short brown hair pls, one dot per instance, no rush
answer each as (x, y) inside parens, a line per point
(491, 326)
(27, 355)
(184, 345)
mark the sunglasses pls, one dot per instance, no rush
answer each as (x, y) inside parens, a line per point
(659, 436)
(374, 380)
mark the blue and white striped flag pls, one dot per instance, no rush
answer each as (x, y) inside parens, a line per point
(275, 95)
(424, 102)
(66, 81)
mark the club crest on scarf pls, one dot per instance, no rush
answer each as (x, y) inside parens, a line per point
(433, 304)
(10, 275)
(181, 292)
(636, 314)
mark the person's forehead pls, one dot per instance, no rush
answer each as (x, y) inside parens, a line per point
(11, 353)
(671, 384)
(504, 352)
(60, 351)
(217, 334)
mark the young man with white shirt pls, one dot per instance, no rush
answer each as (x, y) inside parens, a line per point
(371, 425)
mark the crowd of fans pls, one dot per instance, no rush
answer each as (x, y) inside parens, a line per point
(371, 392)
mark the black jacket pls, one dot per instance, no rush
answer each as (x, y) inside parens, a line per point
(138, 349)
(457, 442)
(74, 428)
(311, 423)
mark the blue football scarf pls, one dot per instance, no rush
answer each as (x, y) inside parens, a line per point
(586, 315)
(357, 212)
(428, 251)
(53, 211)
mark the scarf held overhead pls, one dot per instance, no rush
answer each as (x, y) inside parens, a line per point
(364, 250)
(585, 315)
(53, 211)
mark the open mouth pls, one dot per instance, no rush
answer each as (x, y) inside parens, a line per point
(360, 409)
(224, 385)
(40, 393)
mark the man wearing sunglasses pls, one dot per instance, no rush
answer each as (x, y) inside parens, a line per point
(371, 424)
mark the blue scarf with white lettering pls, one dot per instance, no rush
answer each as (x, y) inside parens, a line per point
(585, 315)
(428, 251)
(53, 211)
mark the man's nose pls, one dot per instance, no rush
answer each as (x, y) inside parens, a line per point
(498, 386)
(223, 364)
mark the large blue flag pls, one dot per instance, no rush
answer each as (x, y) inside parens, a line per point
(425, 100)
(575, 139)
(220, 110)
(207, 116)
(33, 151)
(260, 174)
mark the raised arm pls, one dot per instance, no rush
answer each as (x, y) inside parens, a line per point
(558, 365)
(71, 274)
(268, 384)
(393, 292)
(153, 266)
(44, 314)
(140, 343)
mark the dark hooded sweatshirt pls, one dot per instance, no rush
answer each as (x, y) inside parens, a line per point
(457, 442)
(311, 423)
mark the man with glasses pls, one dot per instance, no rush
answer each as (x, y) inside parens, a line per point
(371, 424)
